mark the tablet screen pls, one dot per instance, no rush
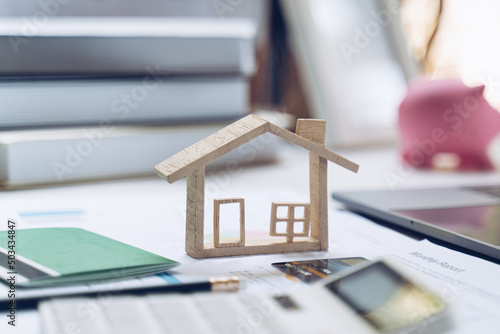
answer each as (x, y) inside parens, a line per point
(478, 222)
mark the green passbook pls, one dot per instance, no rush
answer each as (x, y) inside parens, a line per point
(52, 256)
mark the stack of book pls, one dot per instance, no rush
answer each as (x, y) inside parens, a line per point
(87, 98)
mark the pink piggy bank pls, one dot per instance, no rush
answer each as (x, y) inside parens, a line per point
(446, 116)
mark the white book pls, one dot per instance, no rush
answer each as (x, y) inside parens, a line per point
(52, 156)
(145, 100)
(112, 45)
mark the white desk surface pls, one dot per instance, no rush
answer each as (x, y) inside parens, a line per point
(288, 175)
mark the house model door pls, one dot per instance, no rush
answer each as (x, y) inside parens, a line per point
(218, 203)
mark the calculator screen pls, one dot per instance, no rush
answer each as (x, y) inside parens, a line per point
(384, 298)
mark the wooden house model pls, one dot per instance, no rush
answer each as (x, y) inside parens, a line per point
(191, 162)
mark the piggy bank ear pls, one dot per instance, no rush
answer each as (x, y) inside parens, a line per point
(479, 89)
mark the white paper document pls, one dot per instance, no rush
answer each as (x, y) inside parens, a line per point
(150, 214)
(469, 285)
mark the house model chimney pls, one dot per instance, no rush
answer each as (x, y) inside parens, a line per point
(315, 130)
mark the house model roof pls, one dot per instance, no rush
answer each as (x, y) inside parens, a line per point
(232, 137)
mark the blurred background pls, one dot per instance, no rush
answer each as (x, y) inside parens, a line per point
(70, 64)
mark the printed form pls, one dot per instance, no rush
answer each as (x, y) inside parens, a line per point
(152, 219)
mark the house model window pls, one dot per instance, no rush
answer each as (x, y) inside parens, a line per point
(291, 220)
(305, 224)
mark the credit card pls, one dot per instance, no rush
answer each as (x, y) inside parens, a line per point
(310, 271)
